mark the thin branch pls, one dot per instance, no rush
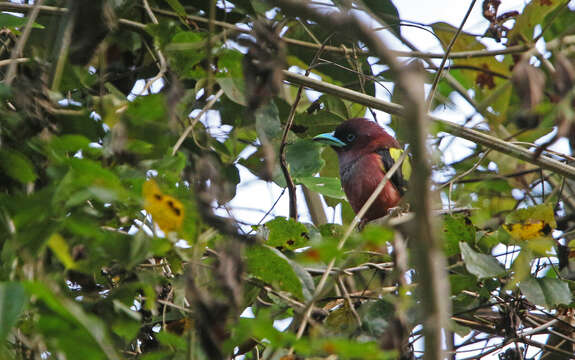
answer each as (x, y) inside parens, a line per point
(141, 28)
(336, 49)
(195, 120)
(210, 45)
(19, 48)
(315, 206)
(348, 300)
(283, 162)
(53, 10)
(447, 51)
(64, 42)
(163, 64)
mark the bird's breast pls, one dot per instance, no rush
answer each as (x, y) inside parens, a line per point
(360, 177)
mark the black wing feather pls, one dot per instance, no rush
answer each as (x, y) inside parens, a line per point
(397, 178)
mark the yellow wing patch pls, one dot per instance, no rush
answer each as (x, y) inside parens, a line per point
(166, 210)
(406, 166)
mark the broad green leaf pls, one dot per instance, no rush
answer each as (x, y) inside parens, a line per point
(377, 317)
(68, 143)
(17, 166)
(546, 291)
(341, 321)
(12, 301)
(73, 311)
(185, 51)
(532, 15)
(87, 179)
(314, 124)
(480, 265)
(139, 248)
(494, 80)
(456, 229)
(386, 11)
(286, 233)
(327, 186)
(60, 247)
(177, 7)
(173, 340)
(272, 267)
(268, 124)
(459, 283)
(230, 64)
(234, 88)
(151, 108)
(376, 235)
(12, 22)
(304, 158)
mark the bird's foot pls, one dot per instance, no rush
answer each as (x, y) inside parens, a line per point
(395, 211)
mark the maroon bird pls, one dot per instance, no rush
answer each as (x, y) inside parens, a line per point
(365, 152)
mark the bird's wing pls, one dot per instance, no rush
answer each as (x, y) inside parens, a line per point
(399, 179)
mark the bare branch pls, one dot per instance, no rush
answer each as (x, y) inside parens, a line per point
(477, 137)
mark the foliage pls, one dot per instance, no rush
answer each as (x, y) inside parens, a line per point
(117, 237)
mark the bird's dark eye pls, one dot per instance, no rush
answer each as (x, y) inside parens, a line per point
(349, 137)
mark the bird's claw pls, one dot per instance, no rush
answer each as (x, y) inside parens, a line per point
(395, 211)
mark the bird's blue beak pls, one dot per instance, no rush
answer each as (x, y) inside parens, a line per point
(329, 139)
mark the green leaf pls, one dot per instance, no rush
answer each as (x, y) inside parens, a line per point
(377, 317)
(17, 166)
(456, 229)
(268, 123)
(272, 267)
(458, 283)
(87, 179)
(327, 186)
(546, 291)
(69, 143)
(376, 235)
(139, 248)
(73, 311)
(177, 7)
(185, 51)
(60, 247)
(386, 11)
(234, 88)
(13, 21)
(543, 212)
(151, 108)
(314, 124)
(12, 301)
(341, 322)
(304, 158)
(480, 265)
(286, 233)
(532, 15)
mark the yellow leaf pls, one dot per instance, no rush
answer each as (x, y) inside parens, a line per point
(531, 223)
(167, 211)
(528, 231)
(60, 247)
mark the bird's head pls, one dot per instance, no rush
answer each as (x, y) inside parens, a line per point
(357, 135)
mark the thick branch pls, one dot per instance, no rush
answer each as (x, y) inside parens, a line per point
(475, 136)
